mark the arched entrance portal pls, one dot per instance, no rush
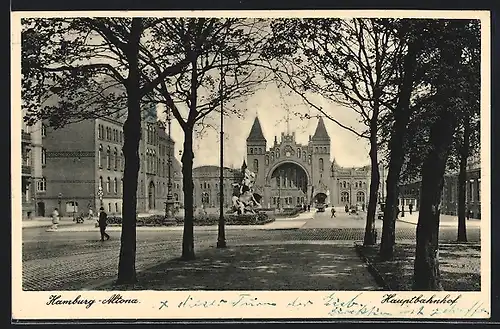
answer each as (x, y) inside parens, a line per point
(288, 186)
(151, 196)
(320, 198)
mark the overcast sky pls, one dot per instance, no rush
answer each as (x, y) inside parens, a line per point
(270, 105)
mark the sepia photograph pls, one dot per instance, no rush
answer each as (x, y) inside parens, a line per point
(186, 152)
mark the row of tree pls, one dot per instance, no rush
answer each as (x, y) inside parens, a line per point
(76, 69)
(413, 83)
(415, 86)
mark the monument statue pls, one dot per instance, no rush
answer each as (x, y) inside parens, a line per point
(243, 200)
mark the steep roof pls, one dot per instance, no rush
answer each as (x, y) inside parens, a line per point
(256, 132)
(321, 134)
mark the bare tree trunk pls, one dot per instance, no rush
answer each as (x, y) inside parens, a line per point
(132, 136)
(370, 233)
(188, 186)
(426, 271)
(462, 183)
(401, 118)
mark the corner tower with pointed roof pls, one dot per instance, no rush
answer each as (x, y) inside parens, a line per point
(256, 153)
(319, 146)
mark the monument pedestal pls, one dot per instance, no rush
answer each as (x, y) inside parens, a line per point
(169, 211)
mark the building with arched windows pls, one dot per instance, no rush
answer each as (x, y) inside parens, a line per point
(290, 174)
(86, 157)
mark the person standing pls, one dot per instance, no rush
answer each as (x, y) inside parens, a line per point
(333, 212)
(55, 220)
(411, 208)
(103, 217)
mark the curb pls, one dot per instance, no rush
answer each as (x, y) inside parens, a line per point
(373, 271)
(405, 221)
(48, 225)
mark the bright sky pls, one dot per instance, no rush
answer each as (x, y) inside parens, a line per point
(270, 105)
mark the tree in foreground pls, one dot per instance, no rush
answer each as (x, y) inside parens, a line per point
(348, 62)
(451, 83)
(412, 93)
(223, 69)
(76, 69)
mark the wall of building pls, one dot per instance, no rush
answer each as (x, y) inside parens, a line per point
(206, 181)
(69, 168)
(410, 193)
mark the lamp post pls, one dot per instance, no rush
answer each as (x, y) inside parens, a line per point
(59, 197)
(169, 203)
(221, 236)
(100, 194)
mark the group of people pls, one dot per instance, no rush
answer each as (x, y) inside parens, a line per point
(102, 221)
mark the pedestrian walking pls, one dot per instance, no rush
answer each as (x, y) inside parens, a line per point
(346, 208)
(55, 220)
(333, 212)
(103, 217)
(468, 214)
(411, 208)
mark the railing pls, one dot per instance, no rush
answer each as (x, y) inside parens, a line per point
(26, 170)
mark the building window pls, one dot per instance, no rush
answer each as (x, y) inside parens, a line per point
(277, 153)
(100, 183)
(99, 156)
(479, 189)
(298, 153)
(99, 133)
(115, 186)
(272, 156)
(256, 165)
(44, 130)
(41, 185)
(304, 155)
(176, 197)
(344, 184)
(116, 207)
(109, 207)
(251, 150)
(321, 165)
(344, 197)
(360, 197)
(44, 156)
(116, 158)
(205, 198)
(108, 183)
(108, 155)
(267, 160)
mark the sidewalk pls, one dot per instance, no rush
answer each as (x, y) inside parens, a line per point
(46, 222)
(279, 266)
(444, 220)
(278, 224)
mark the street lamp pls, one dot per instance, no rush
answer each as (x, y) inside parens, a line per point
(221, 236)
(169, 203)
(100, 194)
(59, 197)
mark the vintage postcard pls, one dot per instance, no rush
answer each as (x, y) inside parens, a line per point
(250, 165)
